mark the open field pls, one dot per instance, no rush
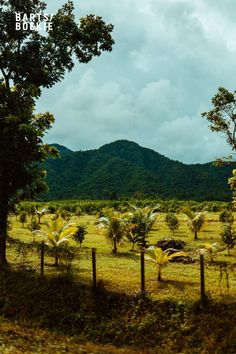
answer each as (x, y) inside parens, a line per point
(60, 314)
(122, 273)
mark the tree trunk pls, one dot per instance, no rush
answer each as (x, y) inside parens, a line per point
(3, 235)
(195, 235)
(133, 246)
(56, 260)
(114, 247)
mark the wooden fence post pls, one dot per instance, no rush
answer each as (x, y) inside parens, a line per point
(42, 259)
(94, 268)
(202, 279)
(142, 272)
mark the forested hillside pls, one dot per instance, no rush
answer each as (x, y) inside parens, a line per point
(123, 168)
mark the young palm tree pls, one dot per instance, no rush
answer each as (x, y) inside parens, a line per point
(143, 219)
(210, 248)
(161, 258)
(56, 234)
(195, 221)
(132, 233)
(114, 228)
(40, 213)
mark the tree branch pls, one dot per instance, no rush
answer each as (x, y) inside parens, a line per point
(6, 79)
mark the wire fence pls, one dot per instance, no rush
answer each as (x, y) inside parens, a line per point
(94, 266)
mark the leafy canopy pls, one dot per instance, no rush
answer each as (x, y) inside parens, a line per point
(29, 62)
(222, 116)
(57, 232)
(29, 57)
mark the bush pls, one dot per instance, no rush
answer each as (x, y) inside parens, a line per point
(172, 222)
(34, 224)
(78, 211)
(65, 214)
(226, 216)
(80, 234)
(23, 218)
(229, 236)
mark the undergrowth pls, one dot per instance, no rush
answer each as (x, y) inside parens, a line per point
(64, 305)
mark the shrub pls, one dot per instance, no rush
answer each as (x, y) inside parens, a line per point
(229, 236)
(79, 234)
(226, 216)
(172, 222)
(23, 218)
(34, 224)
(78, 211)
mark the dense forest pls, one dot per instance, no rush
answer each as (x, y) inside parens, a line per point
(123, 168)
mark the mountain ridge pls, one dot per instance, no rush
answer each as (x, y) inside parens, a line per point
(124, 167)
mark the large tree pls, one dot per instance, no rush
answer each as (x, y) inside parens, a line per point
(222, 116)
(29, 62)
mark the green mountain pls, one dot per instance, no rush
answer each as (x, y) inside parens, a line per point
(124, 167)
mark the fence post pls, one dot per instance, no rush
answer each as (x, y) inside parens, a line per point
(42, 259)
(142, 272)
(202, 279)
(94, 268)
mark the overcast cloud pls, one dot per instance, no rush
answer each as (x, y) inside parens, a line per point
(169, 59)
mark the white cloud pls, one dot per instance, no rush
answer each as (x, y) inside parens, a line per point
(169, 59)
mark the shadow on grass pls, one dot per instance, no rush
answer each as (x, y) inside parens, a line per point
(130, 255)
(180, 285)
(64, 304)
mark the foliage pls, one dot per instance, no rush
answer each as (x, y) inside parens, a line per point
(232, 183)
(64, 214)
(172, 222)
(226, 270)
(195, 221)
(161, 258)
(210, 248)
(23, 218)
(140, 223)
(30, 62)
(54, 313)
(80, 233)
(228, 235)
(57, 234)
(123, 206)
(39, 213)
(113, 225)
(222, 115)
(132, 233)
(94, 174)
(226, 216)
(34, 224)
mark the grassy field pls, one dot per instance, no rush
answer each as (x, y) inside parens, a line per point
(122, 273)
(59, 313)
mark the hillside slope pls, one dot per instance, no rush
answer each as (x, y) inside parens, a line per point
(124, 167)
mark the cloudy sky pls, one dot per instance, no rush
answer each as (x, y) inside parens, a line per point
(169, 59)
